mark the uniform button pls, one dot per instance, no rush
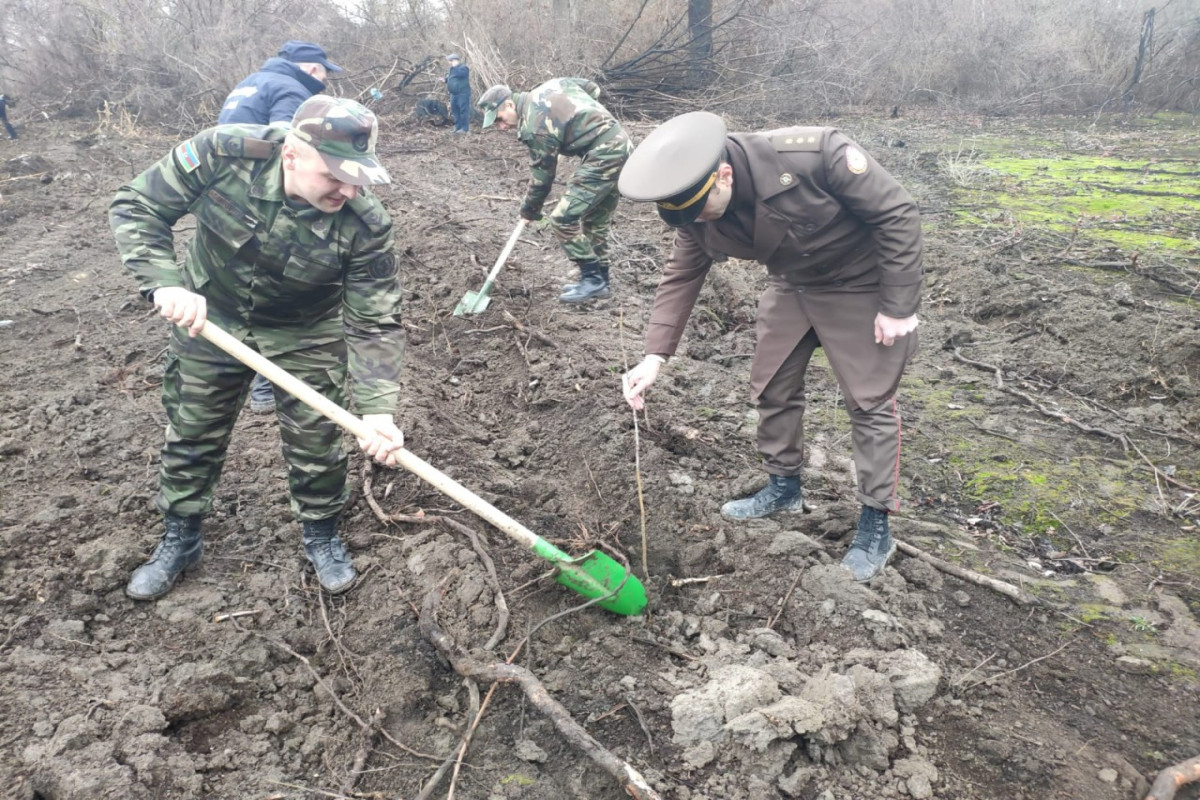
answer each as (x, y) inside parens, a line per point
(805, 255)
(810, 227)
(800, 289)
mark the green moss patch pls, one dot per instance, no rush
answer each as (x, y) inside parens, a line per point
(1138, 203)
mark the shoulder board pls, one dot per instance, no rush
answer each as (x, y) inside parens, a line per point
(234, 146)
(794, 140)
(367, 207)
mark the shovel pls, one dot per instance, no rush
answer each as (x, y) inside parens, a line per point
(477, 302)
(594, 575)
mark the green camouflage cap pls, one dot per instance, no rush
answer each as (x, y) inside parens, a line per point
(491, 101)
(676, 166)
(344, 133)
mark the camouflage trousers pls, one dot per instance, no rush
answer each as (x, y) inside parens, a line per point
(581, 219)
(204, 389)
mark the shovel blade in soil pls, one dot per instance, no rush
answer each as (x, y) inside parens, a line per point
(472, 303)
(598, 575)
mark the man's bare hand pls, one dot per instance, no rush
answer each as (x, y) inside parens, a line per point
(386, 442)
(889, 329)
(639, 379)
(182, 307)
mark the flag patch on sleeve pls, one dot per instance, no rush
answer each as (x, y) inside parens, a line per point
(185, 154)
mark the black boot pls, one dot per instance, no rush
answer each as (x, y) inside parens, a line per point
(328, 555)
(180, 549)
(782, 493)
(873, 546)
(593, 284)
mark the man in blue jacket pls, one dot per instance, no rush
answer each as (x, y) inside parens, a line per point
(458, 83)
(272, 95)
(279, 87)
(4, 102)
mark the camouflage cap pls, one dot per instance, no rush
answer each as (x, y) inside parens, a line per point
(676, 166)
(344, 133)
(490, 102)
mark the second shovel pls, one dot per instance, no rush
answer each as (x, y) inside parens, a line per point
(477, 302)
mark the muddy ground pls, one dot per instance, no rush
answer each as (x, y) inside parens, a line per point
(1051, 441)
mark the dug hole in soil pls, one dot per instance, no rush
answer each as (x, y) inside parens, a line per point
(759, 671)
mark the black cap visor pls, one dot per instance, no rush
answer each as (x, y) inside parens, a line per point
(683, 208)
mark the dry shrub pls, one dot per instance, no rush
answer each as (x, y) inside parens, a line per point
(173, 61)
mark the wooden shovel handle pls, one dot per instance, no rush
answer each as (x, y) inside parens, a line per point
(423, 470)
(508, 248)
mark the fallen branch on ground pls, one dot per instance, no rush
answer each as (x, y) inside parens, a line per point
(1171, 779)
(630, 779)
(368, 729)
(783, 603)
(1006, 673)
(1120, 438)
(1014, 593)
(361, 755)
(501, 604)
(532, 331)
(23, 177)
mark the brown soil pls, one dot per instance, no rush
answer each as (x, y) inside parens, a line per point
(101, 696)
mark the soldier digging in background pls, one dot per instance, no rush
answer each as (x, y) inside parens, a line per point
(563, 116)
(458, 83)
(841, 240)
(4, 103)
(293, 256)
(272, 94)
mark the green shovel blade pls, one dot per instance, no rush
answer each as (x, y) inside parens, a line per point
(598, 575)
(472, 303)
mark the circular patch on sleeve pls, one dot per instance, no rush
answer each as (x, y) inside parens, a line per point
(856, 160)
(383, 267)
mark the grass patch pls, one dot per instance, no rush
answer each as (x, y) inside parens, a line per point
(1136, 204)
(1182, 555)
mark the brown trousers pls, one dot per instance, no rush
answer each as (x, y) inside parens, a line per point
(875, 432)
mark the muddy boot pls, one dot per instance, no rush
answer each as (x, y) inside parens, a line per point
(873, 546)
(328, 555)
(179, 549)
(782, 493)
(262, 396)
(593, 284)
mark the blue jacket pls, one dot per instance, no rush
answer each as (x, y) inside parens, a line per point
(270, 95)
(458, 79)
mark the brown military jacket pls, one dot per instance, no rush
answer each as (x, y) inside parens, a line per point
(830, 224)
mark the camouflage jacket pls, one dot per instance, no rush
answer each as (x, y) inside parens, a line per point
(562, 116)
(279, 275)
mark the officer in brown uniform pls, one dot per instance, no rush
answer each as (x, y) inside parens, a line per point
(841, 240)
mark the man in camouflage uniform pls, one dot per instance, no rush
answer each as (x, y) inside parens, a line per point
(562, 116)
(272, 95)
(293, 257)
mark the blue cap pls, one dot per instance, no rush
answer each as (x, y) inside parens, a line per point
(307, 53)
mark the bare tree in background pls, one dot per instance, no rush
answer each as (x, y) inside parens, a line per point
(174, 60)
(700, 44)
(1145, 45)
